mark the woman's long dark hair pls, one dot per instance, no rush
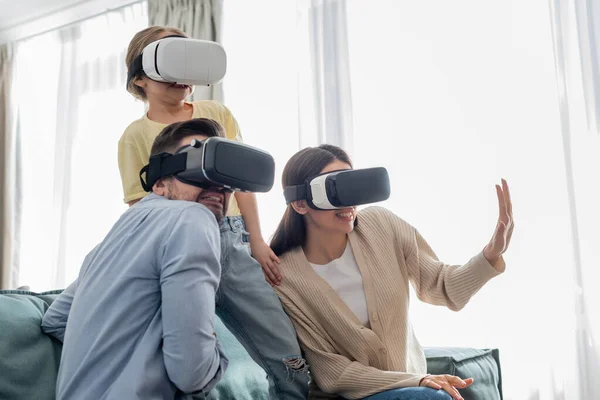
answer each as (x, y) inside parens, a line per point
(305, 164)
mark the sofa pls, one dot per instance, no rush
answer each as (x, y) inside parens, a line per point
(29, 359)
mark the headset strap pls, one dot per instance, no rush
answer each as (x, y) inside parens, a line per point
(293, 193)
(134, 68)
(160, 166)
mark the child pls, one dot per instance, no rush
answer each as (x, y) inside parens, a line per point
(245, 302)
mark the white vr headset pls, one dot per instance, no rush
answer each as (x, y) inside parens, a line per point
(340, 189)
(177, 59)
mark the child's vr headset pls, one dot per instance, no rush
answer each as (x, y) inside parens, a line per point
(214, 162)
(339, 189)
(177, 59)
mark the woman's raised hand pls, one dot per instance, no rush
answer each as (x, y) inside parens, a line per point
(504, 228)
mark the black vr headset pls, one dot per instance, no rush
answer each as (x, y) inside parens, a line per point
(339, 189)
(214, 162)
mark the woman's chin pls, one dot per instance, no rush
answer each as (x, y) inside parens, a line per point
(345, 226)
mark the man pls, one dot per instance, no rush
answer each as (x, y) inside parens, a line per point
(141, 313)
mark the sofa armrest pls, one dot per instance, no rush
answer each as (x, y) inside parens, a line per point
(483, 365)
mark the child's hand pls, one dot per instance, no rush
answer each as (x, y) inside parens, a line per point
(268, 261)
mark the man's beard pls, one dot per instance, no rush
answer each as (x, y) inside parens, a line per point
(219, 214)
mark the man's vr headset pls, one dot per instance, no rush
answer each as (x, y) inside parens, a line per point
(339, 189)
(177, 59)
(214, 162)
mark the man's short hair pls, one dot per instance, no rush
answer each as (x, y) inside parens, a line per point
(169, 138)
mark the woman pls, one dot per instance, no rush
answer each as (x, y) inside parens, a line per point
(346, 289)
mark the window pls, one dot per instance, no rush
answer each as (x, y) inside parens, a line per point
(72, 110)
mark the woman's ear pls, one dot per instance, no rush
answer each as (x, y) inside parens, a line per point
(300, 206)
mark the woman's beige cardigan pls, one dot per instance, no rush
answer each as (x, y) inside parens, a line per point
(348, 359)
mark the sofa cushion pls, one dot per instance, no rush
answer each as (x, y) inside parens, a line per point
(29, 359)
(244, 379)
(483, 365)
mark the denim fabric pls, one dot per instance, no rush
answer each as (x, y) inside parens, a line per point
(251, 310)
(411, 393)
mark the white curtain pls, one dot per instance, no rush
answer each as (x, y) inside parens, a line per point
(288, 90)
(579, 21)
(454, 97)
(7, 187)
(449, 97)
(261, 85)
(577, 59)
(199, 19)
(325, 98)
(72, 111)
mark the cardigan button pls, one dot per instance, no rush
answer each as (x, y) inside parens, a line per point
(374, 317)
(383, 351)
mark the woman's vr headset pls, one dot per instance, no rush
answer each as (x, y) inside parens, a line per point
(339, 189)
(177, 59)
(214, 162)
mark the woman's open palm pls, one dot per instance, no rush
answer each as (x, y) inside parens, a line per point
(504, 228)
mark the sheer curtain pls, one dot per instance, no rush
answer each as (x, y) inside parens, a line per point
(454, 97)
(200, 19)
(71, 113)
(7, 191)
(577, 54)
(285, 93)
(261, 85)
(325, 100)
(449, 97)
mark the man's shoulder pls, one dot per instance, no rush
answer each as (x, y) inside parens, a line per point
(190, 209)
(178, 209)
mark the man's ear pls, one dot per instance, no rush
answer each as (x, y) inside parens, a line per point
(160, 187)
(300, 206)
